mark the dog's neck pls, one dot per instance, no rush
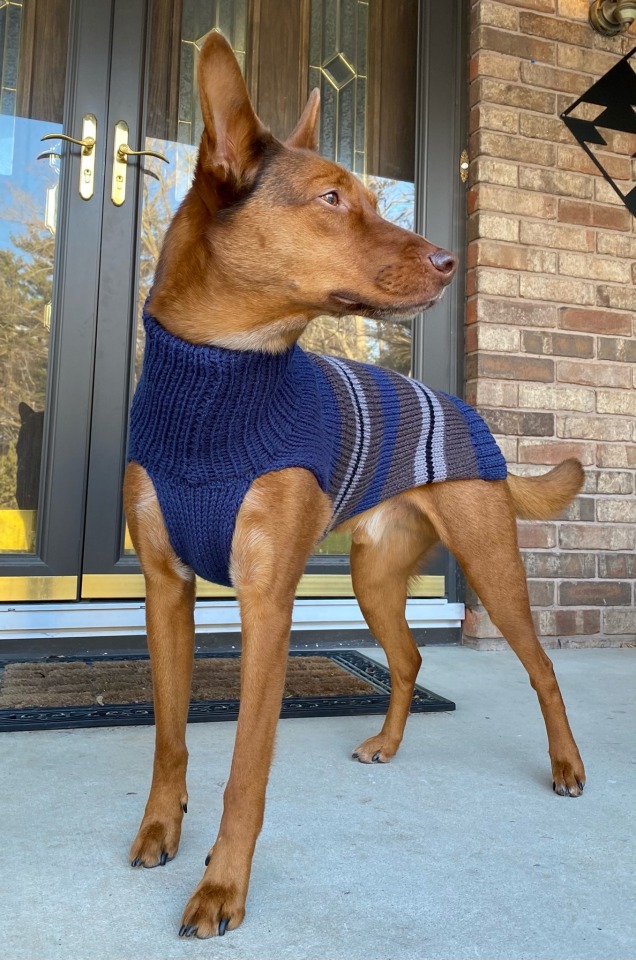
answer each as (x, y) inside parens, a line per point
(197, 299)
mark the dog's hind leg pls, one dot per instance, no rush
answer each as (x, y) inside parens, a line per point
(475, 520)
(388, 544)
(170, 590)
(282, 517)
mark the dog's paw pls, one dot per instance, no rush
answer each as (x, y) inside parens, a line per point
(378, 749)
(568, 778)
(156, 843)
(212, 909)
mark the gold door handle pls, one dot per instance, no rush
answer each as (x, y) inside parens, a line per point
(87, 156)
(124, 151)
(121, 152)
(87, 142)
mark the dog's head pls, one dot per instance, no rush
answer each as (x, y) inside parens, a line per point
(273, 235)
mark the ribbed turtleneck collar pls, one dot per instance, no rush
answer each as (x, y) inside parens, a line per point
(205, 412)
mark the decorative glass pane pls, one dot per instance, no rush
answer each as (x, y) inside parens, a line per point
(28, 227)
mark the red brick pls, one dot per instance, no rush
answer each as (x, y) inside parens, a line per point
(617, 622)
(569, 623)
(509, 200)
(513, 95)
(594, 374)
(494, 14)
(539, 127)
(593, 214)
(595, 321)
(574, 9)
(581, 510)
(536, 536)
(539, 75)
(552, 564)
(573, 158)
(615, 481)
(596, 536)
(616, 454)
(593, 428)
(519, 424)
(554, 29)
(555, 451)
(553, 235)
(512, 44)
(488, 64)
(559, 289)
(478, 624)
(622, 298)
(618, 349)
(501, 367)
(512, 148)
(557, 344)
(617, 566)
(610, 593)
(541, 593)
(517, 312)
(546, 6)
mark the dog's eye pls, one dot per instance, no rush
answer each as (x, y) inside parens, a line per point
(331, 198)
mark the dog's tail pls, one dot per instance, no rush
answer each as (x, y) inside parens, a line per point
(541, 498)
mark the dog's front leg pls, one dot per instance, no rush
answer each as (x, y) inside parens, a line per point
(280, 520)
(170, 591)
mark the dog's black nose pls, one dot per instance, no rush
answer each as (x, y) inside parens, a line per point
(445, 262)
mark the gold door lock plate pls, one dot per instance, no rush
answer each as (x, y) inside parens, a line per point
(87, 155)
(121, 152)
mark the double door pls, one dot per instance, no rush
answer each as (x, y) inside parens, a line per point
(110, 86)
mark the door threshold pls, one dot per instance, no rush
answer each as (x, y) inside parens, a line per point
(107, 620)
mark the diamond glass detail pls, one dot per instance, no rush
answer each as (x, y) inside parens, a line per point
(338, 72)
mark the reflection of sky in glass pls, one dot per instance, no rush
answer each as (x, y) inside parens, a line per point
(24, 180)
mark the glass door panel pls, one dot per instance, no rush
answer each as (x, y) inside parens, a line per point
(32, 81)
(53, 65)
(355, 52)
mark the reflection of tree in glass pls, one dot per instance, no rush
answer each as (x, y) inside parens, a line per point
(386, 343)
(382, 342)
(26, 277)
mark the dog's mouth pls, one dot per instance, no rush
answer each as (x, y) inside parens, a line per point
(347, 303)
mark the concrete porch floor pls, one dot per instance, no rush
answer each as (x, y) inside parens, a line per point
(458, 849)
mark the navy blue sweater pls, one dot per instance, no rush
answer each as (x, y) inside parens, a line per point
(205, 422)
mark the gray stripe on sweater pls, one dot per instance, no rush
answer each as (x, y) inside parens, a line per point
(461, 460)
(437, 439)
(357, 406)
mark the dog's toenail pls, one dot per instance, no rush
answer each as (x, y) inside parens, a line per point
(375, 757)
(223, 926)
(164, 858)
(207, 859)
(190, 931)
(182, 929)
(355, 756)
(135, 862)
(581, 785)
(184, 807)
(554, 786)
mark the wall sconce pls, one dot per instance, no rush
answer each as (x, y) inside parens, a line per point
(610, 17)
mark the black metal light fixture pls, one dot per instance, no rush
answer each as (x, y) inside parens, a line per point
(610, 17)
(615, 95)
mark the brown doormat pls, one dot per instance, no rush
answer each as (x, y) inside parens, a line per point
(78, 692)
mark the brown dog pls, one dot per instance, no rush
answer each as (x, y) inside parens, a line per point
(258, 249)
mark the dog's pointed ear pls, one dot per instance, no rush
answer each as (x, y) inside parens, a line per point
(305, 133)
(234, 138)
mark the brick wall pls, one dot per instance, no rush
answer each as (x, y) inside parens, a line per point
(551, 360)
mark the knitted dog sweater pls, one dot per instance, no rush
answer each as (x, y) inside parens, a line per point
(206, 422)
